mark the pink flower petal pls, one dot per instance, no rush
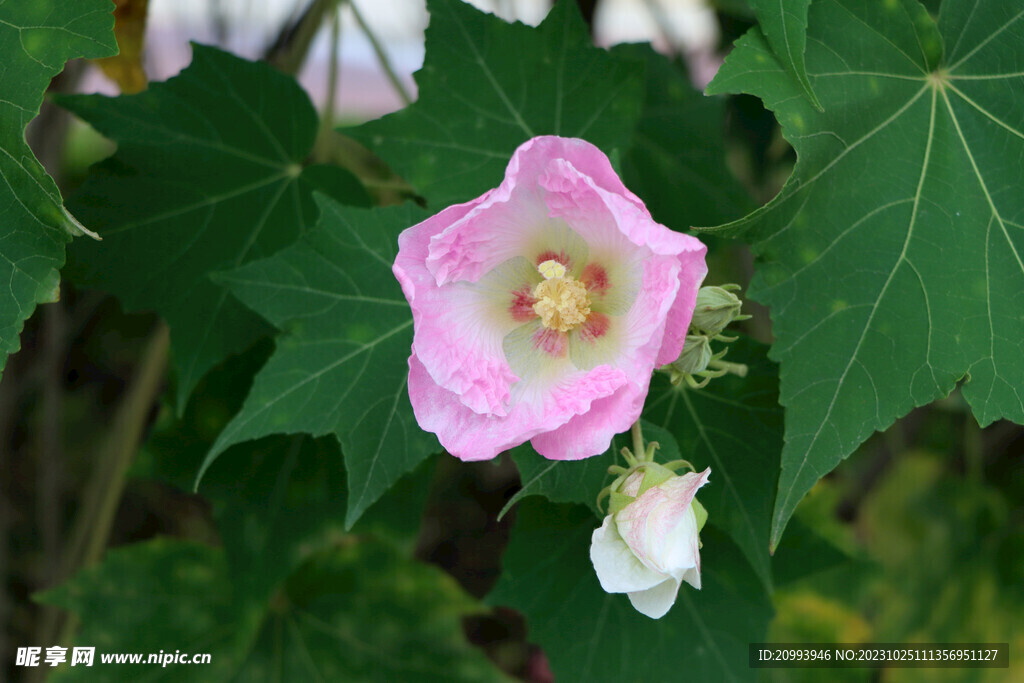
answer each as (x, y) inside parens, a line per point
(458, 329)
(691, 273)
(532, 159)
(591, 432)
(510, 220)
(539, 406)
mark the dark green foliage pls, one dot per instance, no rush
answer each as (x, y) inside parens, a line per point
(36, 38)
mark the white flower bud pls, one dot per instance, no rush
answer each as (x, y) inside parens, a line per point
(651, 545)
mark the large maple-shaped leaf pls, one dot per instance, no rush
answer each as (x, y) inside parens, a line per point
(340, 368)
(36, 39)
(487, 86)
(590, 635)
(208, 175)
(892, 258)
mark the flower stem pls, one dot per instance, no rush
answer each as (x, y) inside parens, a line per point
(735, 368)
(638, 440)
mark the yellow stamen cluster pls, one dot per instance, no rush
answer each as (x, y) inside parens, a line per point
(563, 303)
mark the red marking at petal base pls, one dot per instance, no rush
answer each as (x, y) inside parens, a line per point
(521, 307)
(549, 255)
(596, 327)
(595, 278)
(551, 342)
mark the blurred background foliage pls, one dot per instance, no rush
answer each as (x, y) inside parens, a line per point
(930, 514)
(917, 537)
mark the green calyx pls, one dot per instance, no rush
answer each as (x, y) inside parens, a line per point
(716, 308)
(624, 489)
(695, 357)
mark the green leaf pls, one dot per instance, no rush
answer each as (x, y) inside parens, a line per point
(676, 163)
(590, 635)
(359, 611)
(784, 25)
(893, 259)
(208, 175)
(340, 368)
(487, 86)
(734, 426)
(36, 38)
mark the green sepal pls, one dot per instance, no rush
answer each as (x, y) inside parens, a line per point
(701, 513)
(617, 501)
(654, 475)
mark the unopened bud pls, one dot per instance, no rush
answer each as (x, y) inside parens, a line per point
(650, 546)
(695, 356)
(716, 308)
(697, 361)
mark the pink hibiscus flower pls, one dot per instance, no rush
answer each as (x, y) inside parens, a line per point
(542, 307)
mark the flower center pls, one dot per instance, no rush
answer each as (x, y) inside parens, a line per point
(563, 302)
